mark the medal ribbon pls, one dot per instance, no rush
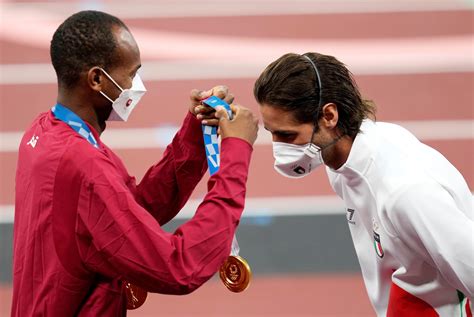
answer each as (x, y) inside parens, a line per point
(77, 124)
(211, 144)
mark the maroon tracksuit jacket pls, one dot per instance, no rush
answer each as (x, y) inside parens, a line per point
(82, 225)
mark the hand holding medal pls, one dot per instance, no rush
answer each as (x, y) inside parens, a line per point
(235, 273)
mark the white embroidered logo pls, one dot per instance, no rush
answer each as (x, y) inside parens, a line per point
(33, 141)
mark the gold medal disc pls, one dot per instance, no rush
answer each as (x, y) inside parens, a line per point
(235, 273)
(136, 296)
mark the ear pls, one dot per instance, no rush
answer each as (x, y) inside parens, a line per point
(95, 78)
(330, 116)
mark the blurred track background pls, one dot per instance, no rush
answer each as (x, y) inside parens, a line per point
(414, 58)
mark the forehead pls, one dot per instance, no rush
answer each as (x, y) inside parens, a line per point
(127, 48)
(274, 118)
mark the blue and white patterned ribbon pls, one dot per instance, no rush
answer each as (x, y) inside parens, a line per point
(211, 144)
(76, 123)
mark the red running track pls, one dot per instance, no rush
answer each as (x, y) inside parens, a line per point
(427, 96)
(331, 295)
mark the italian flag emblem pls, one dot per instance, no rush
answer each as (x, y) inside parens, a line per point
(464, 305)
(377, 245)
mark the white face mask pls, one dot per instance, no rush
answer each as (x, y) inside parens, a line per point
(127, 100)
(296, 161)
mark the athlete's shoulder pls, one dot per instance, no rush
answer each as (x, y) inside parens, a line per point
(31, 135)
(58, 142)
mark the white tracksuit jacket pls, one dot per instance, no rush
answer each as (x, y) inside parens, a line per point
(410, 214)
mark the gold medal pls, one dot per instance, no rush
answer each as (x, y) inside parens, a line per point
(136, 296)
(235, 273)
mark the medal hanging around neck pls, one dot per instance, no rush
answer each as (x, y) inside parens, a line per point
(136, 296)
(235, 273)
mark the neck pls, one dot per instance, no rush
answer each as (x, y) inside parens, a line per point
(82, 109)
(338, 153)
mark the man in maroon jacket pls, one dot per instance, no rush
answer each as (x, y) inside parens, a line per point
(83, 229)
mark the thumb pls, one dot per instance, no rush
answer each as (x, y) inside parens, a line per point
(221, 113)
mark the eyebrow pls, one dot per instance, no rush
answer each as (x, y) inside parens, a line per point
(136, 69)
(281, 131)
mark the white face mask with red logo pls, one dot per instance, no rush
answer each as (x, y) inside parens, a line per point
(127, 100)
(296, 161)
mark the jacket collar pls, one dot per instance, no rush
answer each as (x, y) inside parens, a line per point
(362, 151)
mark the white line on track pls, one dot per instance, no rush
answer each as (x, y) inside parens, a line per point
(238, 57)
(254, 207)
(385, 59)
(228, 8)
(159, 137)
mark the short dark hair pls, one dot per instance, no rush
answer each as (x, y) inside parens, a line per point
(291, 84)
(83, 40)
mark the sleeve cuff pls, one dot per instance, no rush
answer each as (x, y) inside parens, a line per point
(238, 149)
(191, 131)
(236, 142)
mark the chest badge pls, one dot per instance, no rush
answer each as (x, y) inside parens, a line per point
(377, 244)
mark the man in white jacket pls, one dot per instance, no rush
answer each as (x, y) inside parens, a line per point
(410, 212)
